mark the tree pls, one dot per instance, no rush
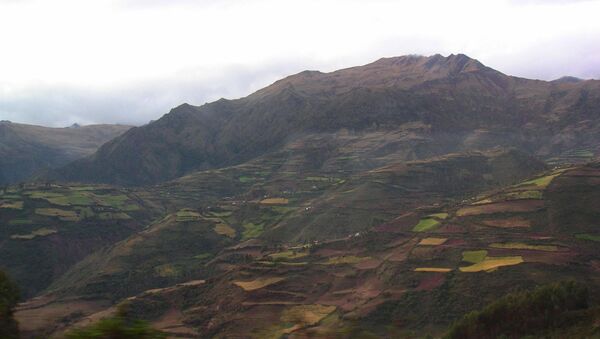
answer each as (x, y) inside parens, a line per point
(9, 296)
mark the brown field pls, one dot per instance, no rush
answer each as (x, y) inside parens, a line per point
(224, 229)
(502, 207)
(433, 269)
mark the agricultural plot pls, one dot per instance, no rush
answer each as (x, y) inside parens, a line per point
(252, 230)
(502, 207)
(186, 215)
(474, 257)
(523, 246)
(345, 259)
(507, 223)
(305, 315)
(274, 201)
(585, 236)
(63, 215)
(433, 269)
(432, 241)
(41, 232)
(290, 255)
(224, 229)
(542, 182)
(257, 283)
(492, 263)
(426, 224)
(15, 205)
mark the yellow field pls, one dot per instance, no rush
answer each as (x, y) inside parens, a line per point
(523, 246)
(37, 233)
(433, 269)
(306, 315)
(432, 241)
(55, 212)
(491, 263)
(439, 215)
(258, 283)
(224, 229)
(16, 205)
(274, 201)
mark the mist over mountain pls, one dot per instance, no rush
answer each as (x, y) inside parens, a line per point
(28, 149)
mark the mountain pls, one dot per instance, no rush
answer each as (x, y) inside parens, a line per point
(459, 103)
(28, 149)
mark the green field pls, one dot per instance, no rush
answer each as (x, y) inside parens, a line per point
(252, 230)
(585, 236)
(523, 246)
(426, 225)
(474, 257)
(55, 212)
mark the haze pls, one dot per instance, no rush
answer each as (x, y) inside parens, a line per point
(131, 61)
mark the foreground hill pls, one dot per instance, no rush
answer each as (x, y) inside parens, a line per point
(27, 149)
(444, 104)
(410, 276)
(257, 206)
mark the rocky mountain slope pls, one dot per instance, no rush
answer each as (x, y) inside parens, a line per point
(29, 149)
(457, 103)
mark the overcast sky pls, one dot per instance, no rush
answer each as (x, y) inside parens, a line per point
(130, 61)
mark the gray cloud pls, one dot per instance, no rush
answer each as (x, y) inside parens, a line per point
(135, 104)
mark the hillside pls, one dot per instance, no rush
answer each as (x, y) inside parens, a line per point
(28, 149)
(411, 275)
(457, 103)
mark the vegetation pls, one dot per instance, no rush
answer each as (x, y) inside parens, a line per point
(433, 269)
(224, 229)
(9, 295)
(116, 328)
(543, 312)
(252, 230)
(585, 236)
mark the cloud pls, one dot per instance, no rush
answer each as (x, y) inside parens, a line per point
(130, 61)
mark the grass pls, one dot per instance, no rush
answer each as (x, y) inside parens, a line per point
(345, 259)
(288, 255)
(541, 182)
(15, 205)
(113, 216)
(252, 230)
(433, 269)
(203, 256)
(426, 224)
(432, 241)
(585, 236)
(42, 232)
(246, 179)
(224, 229)
(117, 201)
(492, 263)
(474, 257)
(55, 212)
(523, 246)
(257, 283)
(274, 201)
